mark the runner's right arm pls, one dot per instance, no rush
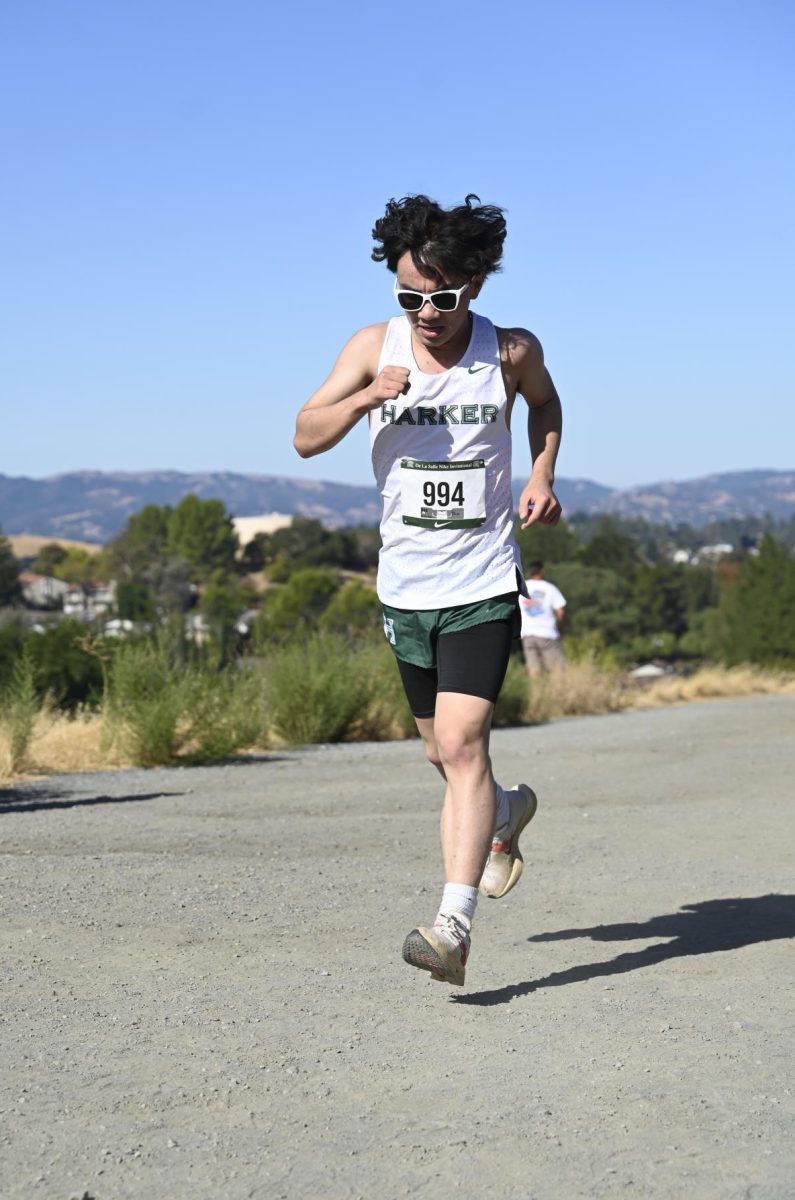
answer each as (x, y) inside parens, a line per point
(353, 388)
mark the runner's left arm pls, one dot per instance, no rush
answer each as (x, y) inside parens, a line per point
(538, 502)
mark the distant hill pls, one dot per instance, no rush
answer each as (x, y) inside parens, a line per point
(92, 506)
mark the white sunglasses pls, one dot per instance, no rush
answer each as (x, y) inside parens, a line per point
(445, 300)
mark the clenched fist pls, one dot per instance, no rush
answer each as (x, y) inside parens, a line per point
(388, 384)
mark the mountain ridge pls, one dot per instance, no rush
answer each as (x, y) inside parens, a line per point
(95, 505)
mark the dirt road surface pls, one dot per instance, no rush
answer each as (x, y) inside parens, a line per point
(204, 997)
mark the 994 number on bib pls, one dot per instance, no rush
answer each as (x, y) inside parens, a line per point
(443, 495)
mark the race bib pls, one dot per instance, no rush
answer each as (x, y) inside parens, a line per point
(443, 495)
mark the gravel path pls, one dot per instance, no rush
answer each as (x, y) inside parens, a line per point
(203, 994)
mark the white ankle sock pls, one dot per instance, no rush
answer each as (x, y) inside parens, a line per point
(503, 806)
(459, 898)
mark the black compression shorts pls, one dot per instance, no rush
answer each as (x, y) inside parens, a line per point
(472, 661)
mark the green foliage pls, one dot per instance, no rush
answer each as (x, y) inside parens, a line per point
(758, 610)
(513, 700)
(591, 647)
(167, 549)
(612, 550)
(134, 601)
(660, 599)
(13, 637)
(296, 606)
(354, 609)
(547, 544)
(255, 553)
(652, 542)
(305, 542)
(77, 566)
(145, 699)
(162, 709)
(386, 713)
(141, 543)
(661, 644)
(705, 636)
(9, 570)
(201, 533)
(222, 602)
(49, 558)
(64, 671)
(224, 712)
(19, 709)
(596, 598)
(317, 687)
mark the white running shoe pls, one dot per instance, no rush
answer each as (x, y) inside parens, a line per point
(505, 863)
(443, 950)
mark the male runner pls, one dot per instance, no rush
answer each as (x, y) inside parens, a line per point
(438, 385)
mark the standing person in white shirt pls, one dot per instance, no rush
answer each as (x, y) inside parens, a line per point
(437, 386)
(543, 613)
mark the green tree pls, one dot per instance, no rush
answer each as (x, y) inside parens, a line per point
(256, 553)
(547, 544)
(305, 542)
(13, 638)
(758, 610)
(612, 550)
(9, 572)
(77, 566)
(49, 558)
(295, 606)
(141, 544)
(221, 603)
(660, 596)
(365, 541)
(134, 601)
(597, 599)
(201, 533)
(65, 670)
(354, 609)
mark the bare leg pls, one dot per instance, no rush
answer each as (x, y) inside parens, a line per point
(425, 725)
(461, 730)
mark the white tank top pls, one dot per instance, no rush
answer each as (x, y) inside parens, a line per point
(442, 461)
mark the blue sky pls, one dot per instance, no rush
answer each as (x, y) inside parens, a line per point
(189, 190)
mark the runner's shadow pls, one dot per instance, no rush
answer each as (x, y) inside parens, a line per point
(15, 800)
(709, 927)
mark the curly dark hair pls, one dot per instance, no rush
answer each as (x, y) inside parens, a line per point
(465, 240)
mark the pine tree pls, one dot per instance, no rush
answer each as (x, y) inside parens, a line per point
(758, 610)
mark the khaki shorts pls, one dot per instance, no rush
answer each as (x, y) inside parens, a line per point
(542, 654)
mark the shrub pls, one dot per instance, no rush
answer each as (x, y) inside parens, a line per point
(162, 710)
(316, 688)
(386, 713)
(294, 607)
(577, 689)
(354, 609)
(66, 671)
(145, 698)
(20, 707)
(514, 698)
(224, 712)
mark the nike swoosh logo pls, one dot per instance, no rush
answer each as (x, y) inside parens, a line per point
(474, 370)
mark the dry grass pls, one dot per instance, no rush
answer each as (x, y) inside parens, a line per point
(576, 689)
(60, 744)
(711, 683)
(28, 545)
